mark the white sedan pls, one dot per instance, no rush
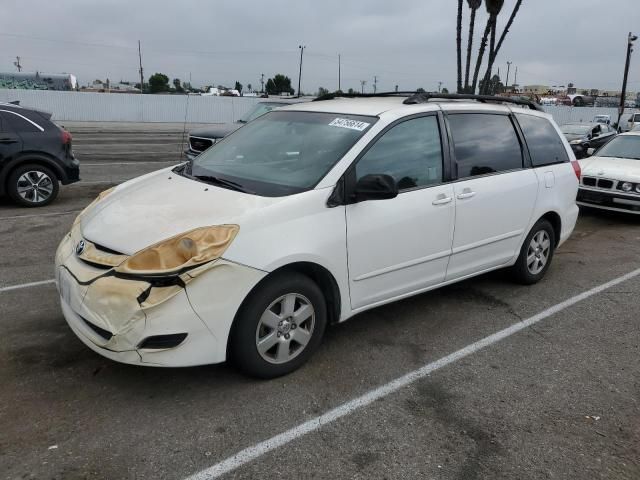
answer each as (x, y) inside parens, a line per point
(611, 177)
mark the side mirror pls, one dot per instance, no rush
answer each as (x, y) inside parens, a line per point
(590, 151)
(375, 187)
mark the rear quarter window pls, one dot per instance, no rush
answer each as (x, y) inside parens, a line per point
(544, 142)
(18, 124)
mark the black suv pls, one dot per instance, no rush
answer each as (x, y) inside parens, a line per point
(35, 156)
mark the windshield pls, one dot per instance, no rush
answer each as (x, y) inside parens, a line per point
(259, 110)
(575, 129)
(282, 152)
(624, 146)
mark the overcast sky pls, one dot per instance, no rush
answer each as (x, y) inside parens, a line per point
(410, 43)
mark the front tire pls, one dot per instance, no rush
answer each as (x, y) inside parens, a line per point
(33, 185)
(279, 326)
(536, 254)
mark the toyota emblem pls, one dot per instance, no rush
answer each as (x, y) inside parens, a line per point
(80, 247)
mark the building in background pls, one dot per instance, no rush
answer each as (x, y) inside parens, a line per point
(38, 81)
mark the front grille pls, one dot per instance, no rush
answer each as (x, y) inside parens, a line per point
(603, 183)
(198, 144)
(106, 334)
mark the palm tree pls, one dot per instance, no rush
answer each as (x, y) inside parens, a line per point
(474, 5)
(483, 46)
(459, 45)
(493, 9)
(496, 48)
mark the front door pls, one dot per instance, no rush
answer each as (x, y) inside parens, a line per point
(402, 245)
(10, 141)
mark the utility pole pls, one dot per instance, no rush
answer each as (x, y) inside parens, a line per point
(515, 78)
(141, 71)
(439, 87)
(17, 64)
(362, 84)
(506, 83)
(396, 88)
(301, 47)
(632, 38)
(339, 73)
(375, 84)
(262, 83)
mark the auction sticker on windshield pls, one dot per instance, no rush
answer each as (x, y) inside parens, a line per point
(351, 124)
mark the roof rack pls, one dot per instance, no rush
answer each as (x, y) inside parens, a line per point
(425, 97)
(414, 98)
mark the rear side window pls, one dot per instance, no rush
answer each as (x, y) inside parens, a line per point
(18, 124)
(410, 152)
(484, 144)
(544, 143)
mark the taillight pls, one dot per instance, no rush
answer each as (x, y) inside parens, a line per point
(66, 137)
(576, 168)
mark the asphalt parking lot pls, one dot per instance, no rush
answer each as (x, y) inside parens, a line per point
(557, 398)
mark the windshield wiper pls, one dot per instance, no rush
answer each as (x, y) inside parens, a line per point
(223, 182)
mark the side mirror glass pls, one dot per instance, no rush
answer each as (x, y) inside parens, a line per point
(375, 187)
(590, 151)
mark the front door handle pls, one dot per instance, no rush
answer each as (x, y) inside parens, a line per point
(442, 199)
(8, 140)
(466, 194)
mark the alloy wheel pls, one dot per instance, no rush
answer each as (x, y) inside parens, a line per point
(35, 186)
(285, 328)
(538, 252)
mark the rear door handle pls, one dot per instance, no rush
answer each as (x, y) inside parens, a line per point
(463, 195)
(442, 199)
(8, 140)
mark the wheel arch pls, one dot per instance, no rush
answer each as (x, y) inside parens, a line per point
(33, 159)
(556, 222)
(317, 273)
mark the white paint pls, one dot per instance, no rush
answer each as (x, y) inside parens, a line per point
(26, 285)
(255, 451)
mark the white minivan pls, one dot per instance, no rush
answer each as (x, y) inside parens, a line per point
(309, 215)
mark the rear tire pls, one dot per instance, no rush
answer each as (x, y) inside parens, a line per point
(536, 254)
(33, 185)
(279, 326)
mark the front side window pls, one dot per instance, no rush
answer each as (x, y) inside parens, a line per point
(544, 143)
(280, 153)
(484, 144)
(410, 152)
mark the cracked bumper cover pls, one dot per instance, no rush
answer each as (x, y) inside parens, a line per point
(203, 309)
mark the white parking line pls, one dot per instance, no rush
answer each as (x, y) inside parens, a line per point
(26, 285)
(31, 215)
(251, 453)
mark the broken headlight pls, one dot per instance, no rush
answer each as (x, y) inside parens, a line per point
(186, 250)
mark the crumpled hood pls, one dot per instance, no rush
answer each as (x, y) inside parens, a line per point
(158, 206)
(610, 167)
(215, 131)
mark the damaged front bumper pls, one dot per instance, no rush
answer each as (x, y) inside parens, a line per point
(136, 320)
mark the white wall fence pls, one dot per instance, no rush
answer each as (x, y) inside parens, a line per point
(562, 114)
(121, 107)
